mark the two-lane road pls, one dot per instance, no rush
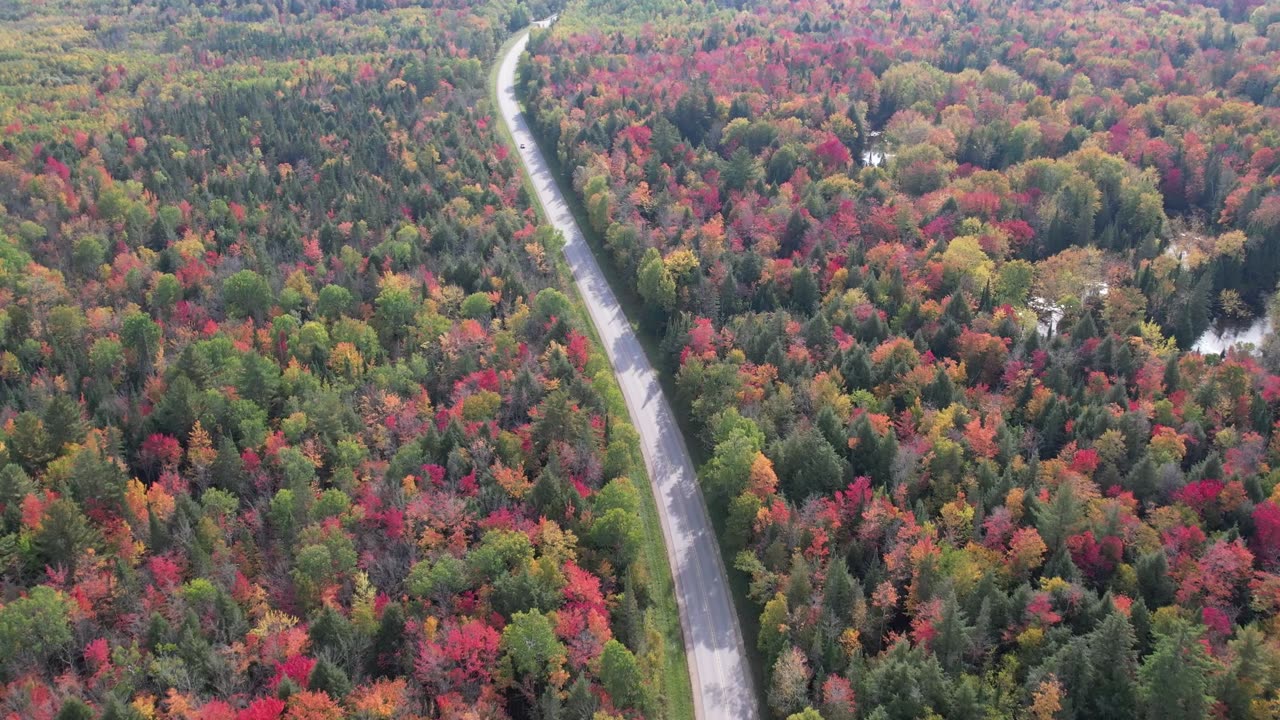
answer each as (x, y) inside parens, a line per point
(722, 686)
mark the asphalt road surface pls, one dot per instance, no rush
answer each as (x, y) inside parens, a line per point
(713, 640)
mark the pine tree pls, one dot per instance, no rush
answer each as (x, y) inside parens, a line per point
(227, 470)
(582, 703)
(30, 442)
(631, 628)
(856, 369)
(1085, 329)
(905, 684)
(1175, 678)
(549, 705)
(1070, 666)
(1059, 517)
(943, 342)
(97, 481)
(329, 678)
(804, 293)
(830, 426)
(551, 494)
(388, 643)
(1140, 618)
(837, 593)
(1250, 676)
(64, 534)
(968, 699)
(807, 465)
(1022, 400)
(1153, 579)
(1112, 655)
(958, 309)
(74, 709)
(799, 582)
(331, 632)
(1053, 432)
(1061, 565)
(793, 235)
(952, 638)
(117, 710)
(868, 454)
(1142, 479)
(15, 484)
(941, 392)
(230, 618)
(64, 422)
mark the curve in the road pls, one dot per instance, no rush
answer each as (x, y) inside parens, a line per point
(717, 659)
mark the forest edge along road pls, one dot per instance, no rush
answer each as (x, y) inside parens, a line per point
(713, 639)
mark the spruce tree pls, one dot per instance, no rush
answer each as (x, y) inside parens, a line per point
(1250, 675)
(953, 636)
(1153, 579)
(328, 677)
(1175, 678)
(388, 643)
(1114, 661)
(74, 709)
(582, 703)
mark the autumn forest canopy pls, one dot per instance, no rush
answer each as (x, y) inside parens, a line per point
(928, 278)
(301, 417)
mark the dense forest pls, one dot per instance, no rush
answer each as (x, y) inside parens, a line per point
(926, 277)
(298, 416)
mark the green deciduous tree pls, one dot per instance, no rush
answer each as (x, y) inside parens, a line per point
(34, 629)
(619, 533)
(655, 282)
(773, 628)
(620, 674)
(729, 469)
(246, 294)
(531, 650)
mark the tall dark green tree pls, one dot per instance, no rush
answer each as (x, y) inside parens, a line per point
(1113, 658)
(1175, 679)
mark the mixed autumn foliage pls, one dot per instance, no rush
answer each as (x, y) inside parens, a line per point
(926, 275)
(297, 419)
